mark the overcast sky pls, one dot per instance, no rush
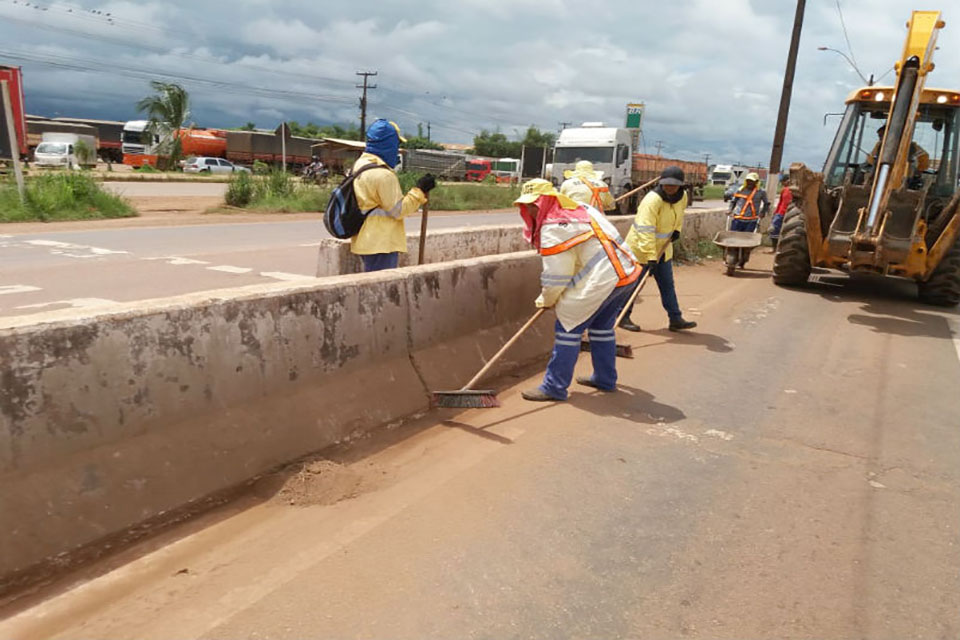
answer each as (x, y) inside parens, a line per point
(710, 72)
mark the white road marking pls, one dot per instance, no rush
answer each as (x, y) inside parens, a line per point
(716, 433)
(289, 277)
(77, 303)
(663, 431)
(96, 251)
(954, 325)
(225, 268)
(177, 261)
(17, 288)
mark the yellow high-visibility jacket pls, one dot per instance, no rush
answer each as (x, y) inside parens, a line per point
(655, 222)
(582, 189)
(378, 192)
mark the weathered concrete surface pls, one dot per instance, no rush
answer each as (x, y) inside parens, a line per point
(115, 417)
(334, 257)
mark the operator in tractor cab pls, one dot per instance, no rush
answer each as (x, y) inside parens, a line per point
(657, 225)
(382, 237)
(918, 158)
(586, 186)
(587, 277)
(748, 206)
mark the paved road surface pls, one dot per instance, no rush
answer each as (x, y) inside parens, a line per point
(48, 271)
(790, 470)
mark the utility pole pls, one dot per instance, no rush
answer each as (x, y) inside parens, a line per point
(428, 130)
(363, 101)
(706, 159)
(776, 154)
(564, 125)
(659, 146)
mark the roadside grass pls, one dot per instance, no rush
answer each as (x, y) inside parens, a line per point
(701, 251)
(713, 191)
(60, 196)
(278, 192)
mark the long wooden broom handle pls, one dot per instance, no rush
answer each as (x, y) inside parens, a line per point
(636, 291)
(425, 208)
(633, 191)
(503, 350)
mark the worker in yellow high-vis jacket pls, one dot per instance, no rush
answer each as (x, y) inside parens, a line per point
(658, 223)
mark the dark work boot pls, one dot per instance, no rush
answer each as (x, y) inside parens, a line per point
(537, 395)
(628, 325)
(682, 325)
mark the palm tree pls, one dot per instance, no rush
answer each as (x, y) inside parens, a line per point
(167, 111)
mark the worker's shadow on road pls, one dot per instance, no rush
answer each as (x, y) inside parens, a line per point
(712, 342)
(628, 402)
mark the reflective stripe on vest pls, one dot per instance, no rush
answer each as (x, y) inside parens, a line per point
(753, 207)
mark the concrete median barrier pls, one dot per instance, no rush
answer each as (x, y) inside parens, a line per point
(334, 257)
(113, 418)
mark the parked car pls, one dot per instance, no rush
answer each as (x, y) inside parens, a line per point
(202, 164)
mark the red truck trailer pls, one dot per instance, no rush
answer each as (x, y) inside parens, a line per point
(14, 79)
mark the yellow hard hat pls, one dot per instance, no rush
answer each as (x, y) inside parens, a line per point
(537, 188)
(753, 176)
(583, 169)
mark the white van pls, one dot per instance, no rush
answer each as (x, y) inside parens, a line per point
(60, 150)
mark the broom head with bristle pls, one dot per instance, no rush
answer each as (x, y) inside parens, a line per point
(623, 350)
(465, 399)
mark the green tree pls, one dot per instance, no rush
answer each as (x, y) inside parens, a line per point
(250, 126)
(495, 145)
(536, 138)
(419, 142)
(167, 110)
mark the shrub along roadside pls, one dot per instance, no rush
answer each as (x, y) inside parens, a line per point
(60, 196)
(282, 193)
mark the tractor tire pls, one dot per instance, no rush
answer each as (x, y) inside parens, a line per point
(943, 287)
(791, 264)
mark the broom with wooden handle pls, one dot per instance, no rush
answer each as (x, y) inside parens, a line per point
(469, 398)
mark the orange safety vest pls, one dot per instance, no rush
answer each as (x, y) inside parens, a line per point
(608, 247)
(596, 200)
(748, 202)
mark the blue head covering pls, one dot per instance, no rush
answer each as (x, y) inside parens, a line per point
(383, 141)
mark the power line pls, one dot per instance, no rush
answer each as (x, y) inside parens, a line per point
(845, 36)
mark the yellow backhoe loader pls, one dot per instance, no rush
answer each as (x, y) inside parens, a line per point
(886, 202)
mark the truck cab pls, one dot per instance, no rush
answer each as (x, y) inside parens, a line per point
(138, 145)
(478, 169)
(607, 148)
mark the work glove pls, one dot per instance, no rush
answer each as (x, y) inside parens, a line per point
(426, 183)
(675, 236)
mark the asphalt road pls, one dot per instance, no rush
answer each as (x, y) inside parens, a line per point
(47, 271)
(789, 470)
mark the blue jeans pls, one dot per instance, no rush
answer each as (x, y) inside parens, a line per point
(775, 226)
(663, 274)
(743, 225)
(380, 261)
(603, 348)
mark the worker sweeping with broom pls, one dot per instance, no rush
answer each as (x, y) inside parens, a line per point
(586, 277)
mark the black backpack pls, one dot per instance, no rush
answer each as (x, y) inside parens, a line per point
(343, 217)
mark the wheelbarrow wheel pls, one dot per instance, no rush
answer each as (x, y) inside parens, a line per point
(730, 261)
